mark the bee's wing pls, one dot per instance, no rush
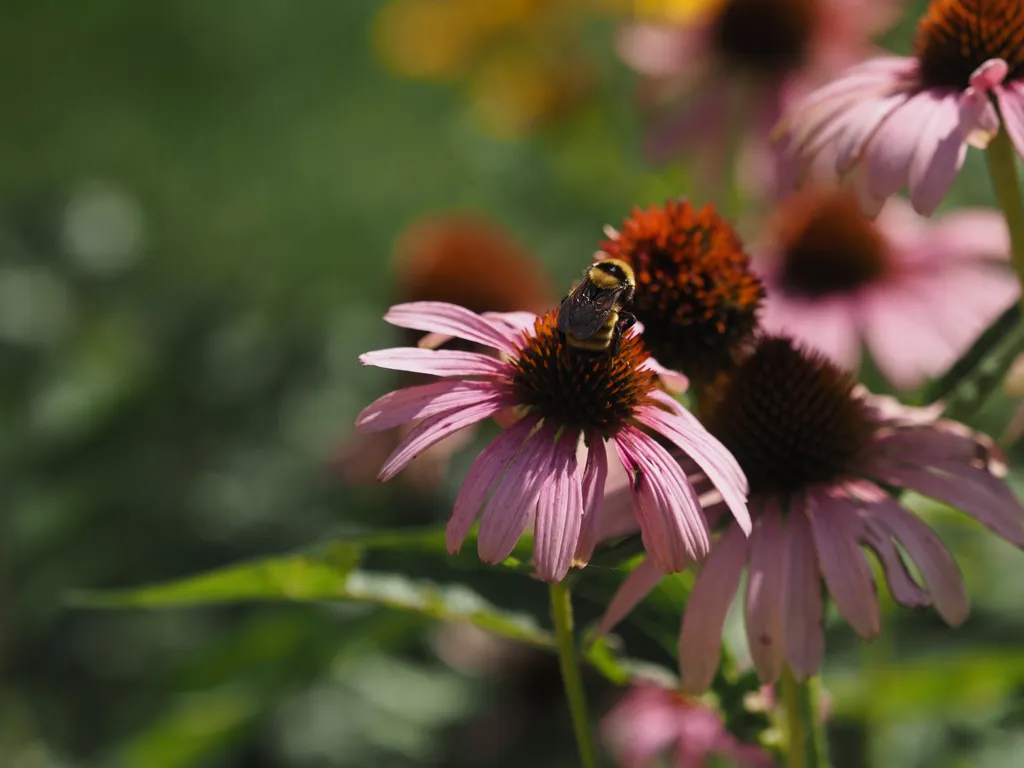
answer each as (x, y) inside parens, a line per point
(585, 310)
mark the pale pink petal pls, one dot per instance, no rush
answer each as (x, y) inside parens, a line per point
(701, 636)
(559, 514)
(659, 50)
(435, 362)
(672, 524)
(862, 121)
(513, 324)
(990, 74)
(905, 590)
(926, 446)
(966, 234)
(892, 149)
(765, 582)
(642, 725)
(675, 382)
(441, 317)
(969, 489)
(433, 430)
(842, 562)
(594, 477)
(630, 594)
(1011, 109)
(482, 475)
(712, 457)
(940, 154)
(414, 403)
(827, 325)
(805, 637)
(937, 566)
(507, 513)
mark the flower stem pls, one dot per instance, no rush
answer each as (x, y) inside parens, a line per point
(805, 736)
(1002, 169)
(561, 613)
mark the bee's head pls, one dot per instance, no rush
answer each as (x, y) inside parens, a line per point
(611, 274)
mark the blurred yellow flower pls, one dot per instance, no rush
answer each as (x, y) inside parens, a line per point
(521, 61)
(673, 11)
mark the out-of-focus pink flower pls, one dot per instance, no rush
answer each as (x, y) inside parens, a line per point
(650, 722)
(907, 121)
(819, 452)
(562, 397)
(918, 293)
(739, 63)
(462, 259)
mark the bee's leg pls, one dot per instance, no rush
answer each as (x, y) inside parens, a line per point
(626, 321)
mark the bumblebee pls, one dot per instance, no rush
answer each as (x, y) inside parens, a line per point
(592, 317)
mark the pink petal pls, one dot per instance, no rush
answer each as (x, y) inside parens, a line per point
(905, 590)
(940, 155)
(989, 74)
(862, 121)
(805, 638)
(966, 234)
(435, 362)
(559, 514)
(827, 325)
(970, 489)
(414, 403)
(675, 382)
(712, 457)
(1011, 109)
(433, 430)
(893, 147)
(451, 319)
(672, 524)
(842, 562)
(630, 594)
(515, 498)
(594, 477)
(701, 636)
(937, 566)
(765, 581)
(482, 475)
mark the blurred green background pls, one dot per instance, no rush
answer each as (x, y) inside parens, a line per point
(198, 209)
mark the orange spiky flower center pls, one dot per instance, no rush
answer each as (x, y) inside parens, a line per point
(826, 245)
(790, 417)
(955, 37)
(765, 37)
(695, 292)
(579, 390)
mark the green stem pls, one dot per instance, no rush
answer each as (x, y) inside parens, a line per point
(1002, 169)
(805, 736)
(561, 613)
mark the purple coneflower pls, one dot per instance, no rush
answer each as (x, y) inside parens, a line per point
(735, 63)
(819, 452)
(561, 397)
(907, 121)
(917, 292)
(651, 721)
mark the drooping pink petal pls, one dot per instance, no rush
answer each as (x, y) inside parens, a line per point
(594, 477)
(805, 637)
(827, 325)
(712, 457)
(969, 489)
(441, 317)
(676, 383)
(435, 362)
(940, 154)
(672, 523)
(630, 594)
(435, 429)
(893, 147)
(937, 566)
(765, 582)
(1011, 109)
(559, 514)
(904, 588)
(515, 498)
(482, 475)
(642, 726)
(842, 562)
(700, 638)
(927, 446)
(966, 234)
(412, 403)
(862, 121)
